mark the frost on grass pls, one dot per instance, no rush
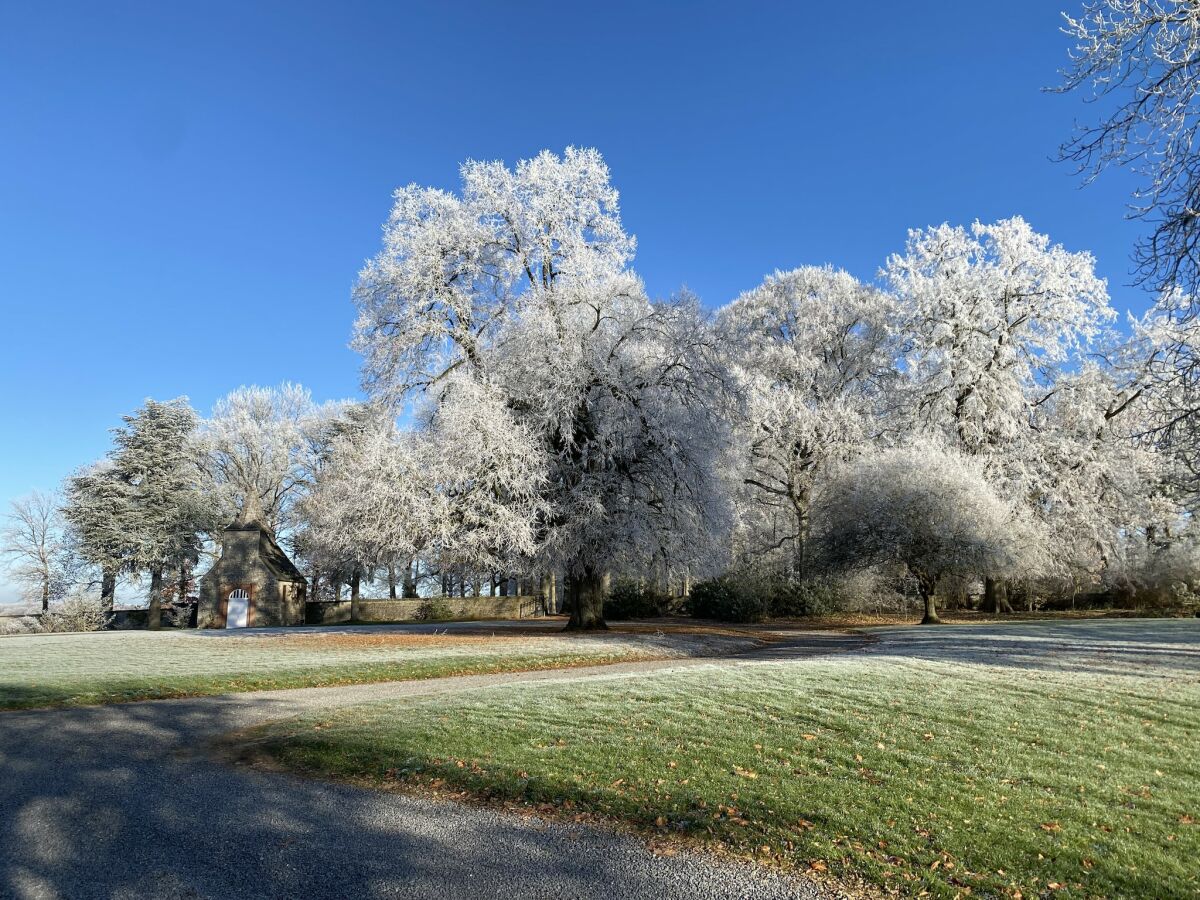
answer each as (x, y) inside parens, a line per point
(58, 668)
(1001, 769)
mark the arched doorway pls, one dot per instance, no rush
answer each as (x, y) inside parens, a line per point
(237, 609)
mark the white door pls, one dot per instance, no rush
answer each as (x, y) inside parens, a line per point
(237, 609)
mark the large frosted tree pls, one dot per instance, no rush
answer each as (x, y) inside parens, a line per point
(159, 507)
(519, 291)
(813, 355)
(1142, 59)
(989, 317)
(262, 440)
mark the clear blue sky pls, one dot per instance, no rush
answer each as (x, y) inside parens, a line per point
(187, 190)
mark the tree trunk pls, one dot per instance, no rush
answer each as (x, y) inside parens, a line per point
(108, 589)
(154, 619)
(355, 584)
(587, 601)
(316, 583)
(45, 595)
(545, 591)
(185, 575)
(410, 580)
(995, 596)
(391, 582)
(504, 586)
(927, 587)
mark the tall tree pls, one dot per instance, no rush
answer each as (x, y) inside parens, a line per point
(813, 355)
(988, 318)
(97, 510)
(260, 440)
(34, 544)
(165, 508)
(518, 294)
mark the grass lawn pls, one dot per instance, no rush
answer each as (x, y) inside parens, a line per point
(916, 774)
(110, 667)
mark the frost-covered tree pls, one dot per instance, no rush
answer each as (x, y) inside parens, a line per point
(261, 440)
(929, 508)
(812, 353)
(385, 496)
(1142, 58)
(162, 507)
(988, 315)
(518, 292)
(34, 545)
(95, 507)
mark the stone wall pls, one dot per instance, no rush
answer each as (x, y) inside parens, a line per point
(324, 613)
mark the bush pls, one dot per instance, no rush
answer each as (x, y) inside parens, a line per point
(22, 625)
(727, 599)
(811, 597)
(752, 597)
(630, 600)
(434, 609)
(76, 613)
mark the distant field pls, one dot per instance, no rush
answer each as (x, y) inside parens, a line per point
(1023, 761)
(110, 667)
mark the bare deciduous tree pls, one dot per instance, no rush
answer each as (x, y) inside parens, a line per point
(33, 543)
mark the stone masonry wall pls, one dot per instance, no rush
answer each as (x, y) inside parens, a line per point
(401, 610)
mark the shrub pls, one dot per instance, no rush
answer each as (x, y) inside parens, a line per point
(434, 609)
(810, 597)
(22, 625)
(76, 613)
(752, 597)
(630, 600)
(727, 599)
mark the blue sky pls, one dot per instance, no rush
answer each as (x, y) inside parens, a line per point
(187, 190)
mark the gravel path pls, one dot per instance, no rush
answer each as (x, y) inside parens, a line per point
(126, 801)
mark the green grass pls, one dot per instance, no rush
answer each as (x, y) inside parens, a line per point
(918, 776)
(112, 667)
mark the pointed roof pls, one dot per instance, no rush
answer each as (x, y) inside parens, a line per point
(252, 518)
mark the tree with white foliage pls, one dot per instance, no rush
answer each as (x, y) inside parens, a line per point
(520, 288)
(928, 507)
(1169, 338)
(989, 317)
(812, 352)
(384, 495)
(34, 544)
(260, 440)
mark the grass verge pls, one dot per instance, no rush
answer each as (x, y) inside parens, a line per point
(88, 669)
(913, 776)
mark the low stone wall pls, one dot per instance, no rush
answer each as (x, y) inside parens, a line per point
(334, 611)
(326, 612)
